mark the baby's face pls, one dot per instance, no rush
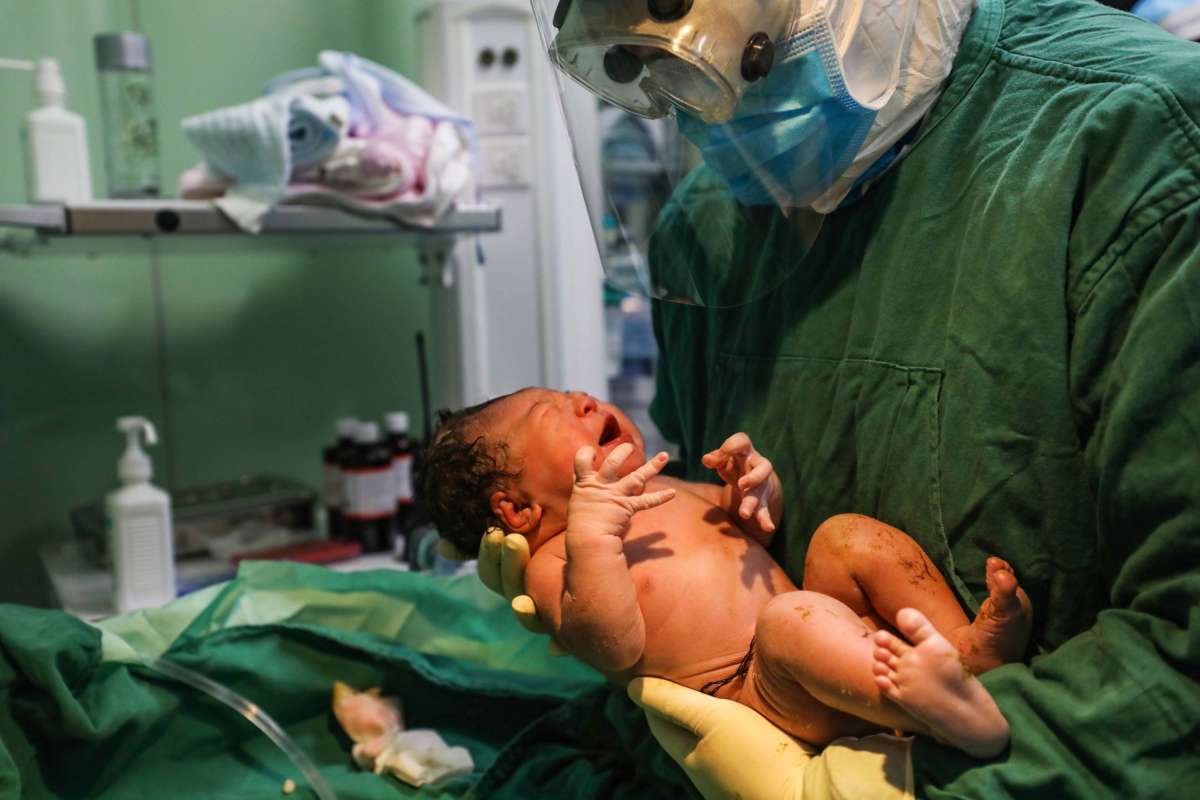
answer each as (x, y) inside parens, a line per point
(544, 428)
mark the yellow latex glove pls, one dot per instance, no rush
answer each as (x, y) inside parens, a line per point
(729, 750)
(502, 561)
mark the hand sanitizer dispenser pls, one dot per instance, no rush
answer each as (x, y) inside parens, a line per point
(140, 540)
(56, 154)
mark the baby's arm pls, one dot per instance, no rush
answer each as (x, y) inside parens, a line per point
(589, 601)
(598, 620)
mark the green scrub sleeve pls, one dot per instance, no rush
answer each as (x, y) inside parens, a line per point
(1115, 711)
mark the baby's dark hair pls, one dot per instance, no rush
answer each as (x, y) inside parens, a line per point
(461, 470)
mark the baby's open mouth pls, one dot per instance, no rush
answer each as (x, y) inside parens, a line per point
(610, 431)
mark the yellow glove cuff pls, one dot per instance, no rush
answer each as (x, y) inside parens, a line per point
(729, 750)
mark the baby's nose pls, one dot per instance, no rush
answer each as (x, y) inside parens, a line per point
(584, 403)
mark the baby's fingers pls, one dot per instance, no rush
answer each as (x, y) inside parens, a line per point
(764, 520)
(747, 506)
(611, 467)
(761, 471)
(726, 469)
(643, 502)
(584, 457)
(636, 480)
(736, 445)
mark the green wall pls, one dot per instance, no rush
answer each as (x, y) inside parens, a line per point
(243, 351)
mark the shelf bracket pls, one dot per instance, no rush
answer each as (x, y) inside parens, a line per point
(437, 263)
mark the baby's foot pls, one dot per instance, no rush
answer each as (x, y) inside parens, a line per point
(933, 685)
(1000, 631)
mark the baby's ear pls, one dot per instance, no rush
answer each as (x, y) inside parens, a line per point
(517, 515)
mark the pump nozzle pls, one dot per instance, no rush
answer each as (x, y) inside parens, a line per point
(48, 81)
(135, 466)
(51, 90)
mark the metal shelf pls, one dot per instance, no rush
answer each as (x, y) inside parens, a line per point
(170, 216)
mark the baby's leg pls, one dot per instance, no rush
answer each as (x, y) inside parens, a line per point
(812, 671)
(878, 570)
(929, 680)
(811, 647)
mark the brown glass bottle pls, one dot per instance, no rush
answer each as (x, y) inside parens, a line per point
(370, 509)
(332, 458)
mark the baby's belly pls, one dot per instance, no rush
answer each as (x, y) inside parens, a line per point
(701, 584)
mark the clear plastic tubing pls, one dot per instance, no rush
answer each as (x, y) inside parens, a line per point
(252, 712)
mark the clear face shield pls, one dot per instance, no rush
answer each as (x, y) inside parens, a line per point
(685, 127)
(651, 56)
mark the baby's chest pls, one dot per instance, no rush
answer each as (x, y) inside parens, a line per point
(686, 529)
(690, 552)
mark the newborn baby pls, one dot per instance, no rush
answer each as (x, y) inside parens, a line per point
(642, 575)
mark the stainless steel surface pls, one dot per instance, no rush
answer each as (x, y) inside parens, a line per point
(49, 218)
(198, 216)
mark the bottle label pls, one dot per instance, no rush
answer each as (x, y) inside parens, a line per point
(369, 493)
(333, 486)
(402, 478)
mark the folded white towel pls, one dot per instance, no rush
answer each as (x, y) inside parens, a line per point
(249, 143)
(257, 145)
(350, 133)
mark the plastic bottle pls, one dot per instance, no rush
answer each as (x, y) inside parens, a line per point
(56, 154)
(403, 449)
(127, 106)
(140, 540)
(335, 481)
(370, 499)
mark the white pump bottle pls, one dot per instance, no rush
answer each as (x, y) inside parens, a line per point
(56, 154)
(140, 541)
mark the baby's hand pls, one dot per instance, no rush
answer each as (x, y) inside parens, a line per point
(603, 503)
(754, 486)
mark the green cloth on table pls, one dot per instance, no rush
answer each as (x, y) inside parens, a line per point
(80, 716)
(997, 350)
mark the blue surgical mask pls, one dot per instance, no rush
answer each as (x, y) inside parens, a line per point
(794, 132)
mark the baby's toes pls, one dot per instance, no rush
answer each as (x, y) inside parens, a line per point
(885, 656)
(1000, 577)
(1005, 598)
(892, 644)
(915, 626)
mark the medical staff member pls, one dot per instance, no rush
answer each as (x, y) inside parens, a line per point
(990, 339)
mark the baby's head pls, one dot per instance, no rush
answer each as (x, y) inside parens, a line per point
(510, 462)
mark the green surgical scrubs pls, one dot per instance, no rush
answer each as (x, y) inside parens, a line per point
(997, 350)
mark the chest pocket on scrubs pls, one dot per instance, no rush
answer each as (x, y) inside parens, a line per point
(845, 436)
